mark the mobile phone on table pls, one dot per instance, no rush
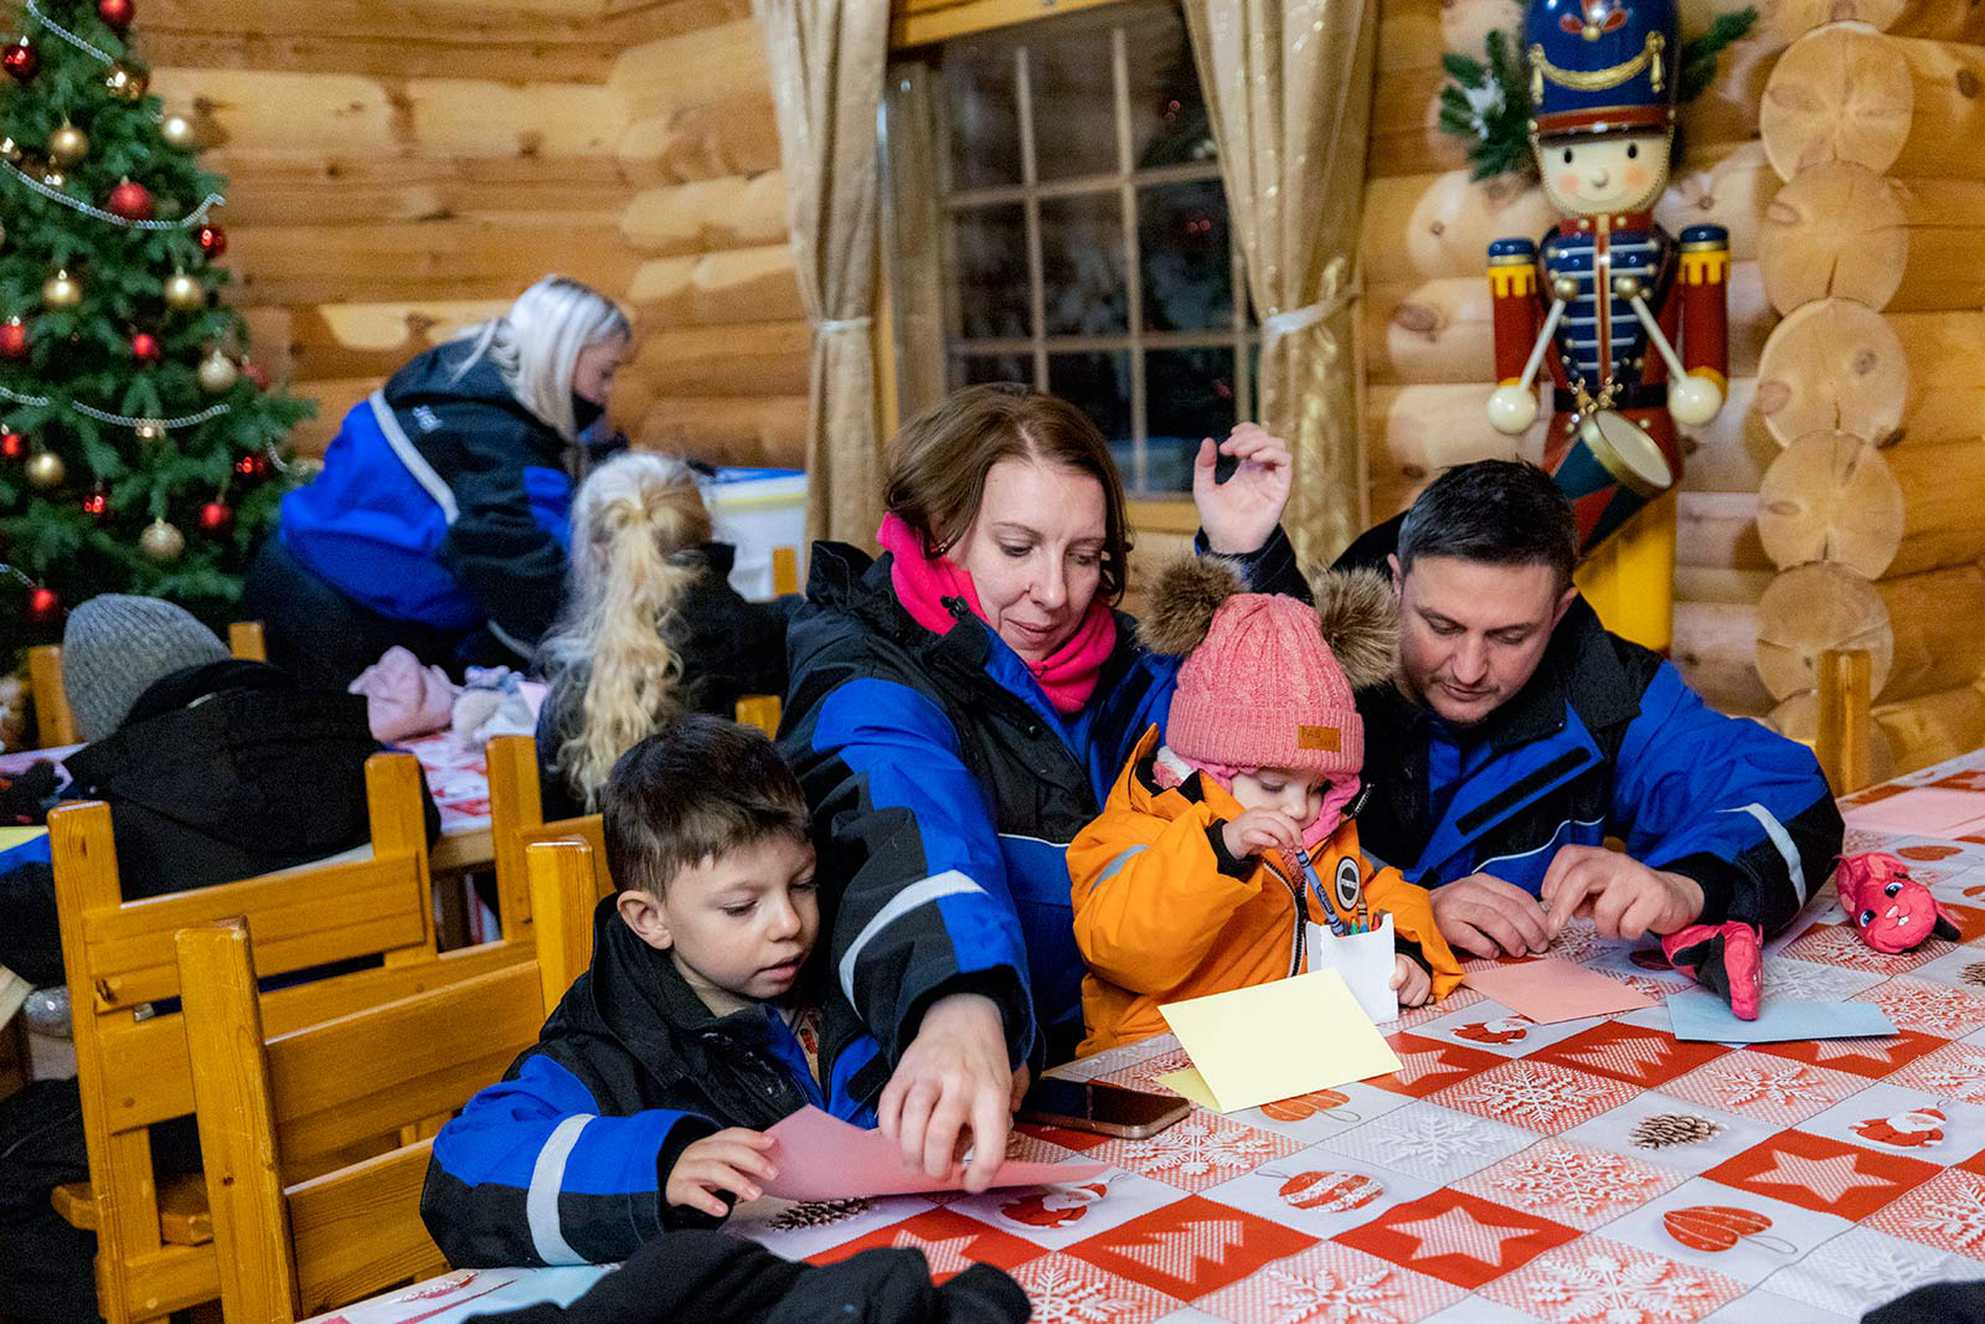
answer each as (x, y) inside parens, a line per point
(1111, 1110)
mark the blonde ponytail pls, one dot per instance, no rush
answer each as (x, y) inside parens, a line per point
(632, 522)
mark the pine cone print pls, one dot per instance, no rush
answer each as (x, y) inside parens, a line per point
(1974, 974)
(1663, 1130)
(818, 1213)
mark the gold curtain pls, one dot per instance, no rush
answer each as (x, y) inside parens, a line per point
(826, 59)
(1289, 83)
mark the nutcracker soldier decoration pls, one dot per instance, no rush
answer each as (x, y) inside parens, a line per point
(1630, 322)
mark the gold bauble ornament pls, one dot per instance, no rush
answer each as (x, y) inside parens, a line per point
(68, 144)
(61, 290)
(178, 132)
(162, 542)
(126, 82)
(46, 471)
(184, 293)
(150, 431)
(218, 374)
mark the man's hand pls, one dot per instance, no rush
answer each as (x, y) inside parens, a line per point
(953, 1080)
(732, 1160)
(1486, 916)
(1627, 899)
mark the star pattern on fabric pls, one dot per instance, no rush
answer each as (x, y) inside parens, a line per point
(1458, 1232)
(1829, 1179)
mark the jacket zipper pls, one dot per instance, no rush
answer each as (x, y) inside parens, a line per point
(1300, 938)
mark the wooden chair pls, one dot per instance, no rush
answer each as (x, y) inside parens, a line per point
(154, 1248)
(517, 821)
(785, 570)
(1843, 742)
(295, 1239)
(54, 721)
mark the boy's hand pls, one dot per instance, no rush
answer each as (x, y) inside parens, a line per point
(1258, 830)
(1413, 984)
(732, 1160)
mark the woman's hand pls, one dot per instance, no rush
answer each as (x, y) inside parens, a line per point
(1239, 514)
(953, 1078)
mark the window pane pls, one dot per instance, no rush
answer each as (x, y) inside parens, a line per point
(1075, 117)
(983, 115)
(979, 369)
(1099, 385)
(990, 247)
(1082, 265)
(1183, 249)
(1168, 120)
(1189, 394)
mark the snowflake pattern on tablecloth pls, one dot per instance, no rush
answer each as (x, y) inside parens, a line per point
(1371, 1297)
(1330, 1284)
(1778, 1090)
(1955, 1071)
(1582, 1187)
(1860, 1269)
(1144, 1075)
(1917, 1004)
(1436, 1143)
(1805, 981)
(1947, 1213)
(1065, 1290)
(1536, 1095)
(1840, 945)
(1595, 1281)
(1201, 1151)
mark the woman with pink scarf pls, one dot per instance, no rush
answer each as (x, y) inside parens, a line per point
(958, 709)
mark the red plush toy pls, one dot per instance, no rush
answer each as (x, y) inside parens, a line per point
(1891, 911)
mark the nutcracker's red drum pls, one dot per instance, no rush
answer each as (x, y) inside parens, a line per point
(1608, 467)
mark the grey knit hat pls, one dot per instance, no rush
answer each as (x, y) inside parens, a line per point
(116, 647)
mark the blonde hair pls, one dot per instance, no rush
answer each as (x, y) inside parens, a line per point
(632, 519)
(537, 342)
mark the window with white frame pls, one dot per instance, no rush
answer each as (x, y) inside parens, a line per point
(1083, 244)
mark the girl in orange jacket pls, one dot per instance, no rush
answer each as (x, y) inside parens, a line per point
(1192, 881)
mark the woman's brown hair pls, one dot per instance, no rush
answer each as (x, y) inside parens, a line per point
(938, 466)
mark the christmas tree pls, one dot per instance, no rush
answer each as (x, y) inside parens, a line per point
(142, 448)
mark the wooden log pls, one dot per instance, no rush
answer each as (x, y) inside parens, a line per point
(1940, 487)
(728, 430)
(738, 136)
(1702, 583)
(1946, 357)
(334, 397)
(1798, 718)
(1831, 497)
(1833, 365)
(332, 187)
(1444, 331)
(1927, 730)
(1413, 432)
(658, 78)
(1730, 185)
(583, 23)
(1896, 105)
(718, 289)
(1719, 531)
(1838, 230)
(374, 339)
(1416, 33)
(1810, 609)
(1938, 20)
(1934, 620)
(1731, 452)
(1713, 649)
(1427, 226)
(733, 211)
(752, 359)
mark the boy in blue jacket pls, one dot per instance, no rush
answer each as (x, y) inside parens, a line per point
(642, 1107)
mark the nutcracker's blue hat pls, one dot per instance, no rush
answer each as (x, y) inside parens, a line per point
(1601, 66)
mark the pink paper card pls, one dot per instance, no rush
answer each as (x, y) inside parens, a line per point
(823, 1158)
(1925, 811)
(1551, 990)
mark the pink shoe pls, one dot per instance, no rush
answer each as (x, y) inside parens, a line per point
(1728, 958)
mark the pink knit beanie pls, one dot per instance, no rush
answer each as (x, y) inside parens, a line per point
(1262, 690)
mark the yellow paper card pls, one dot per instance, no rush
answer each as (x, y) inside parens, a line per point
(1274, 1041)
(1190, 1084)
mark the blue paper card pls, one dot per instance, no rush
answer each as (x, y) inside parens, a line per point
(1698, 1014)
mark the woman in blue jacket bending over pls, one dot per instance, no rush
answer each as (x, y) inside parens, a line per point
(440, 520)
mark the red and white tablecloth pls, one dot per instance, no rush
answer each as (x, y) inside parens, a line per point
(1597, 1171)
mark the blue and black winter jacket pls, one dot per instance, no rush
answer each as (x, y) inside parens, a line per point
(443, 501)
(945, 790)
(565, 1161)
(1606, 740)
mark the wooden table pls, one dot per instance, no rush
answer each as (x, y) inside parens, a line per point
(1591, 1171)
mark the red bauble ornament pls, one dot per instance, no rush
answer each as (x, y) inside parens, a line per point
(96, 505)
(145, 347)
(22, 60)
(13, 339)
(212, 240)
(131, 201)
(257, 375)
(252, 466)
(117, 13)
(215, 518)
(13, 445)
(43, 606)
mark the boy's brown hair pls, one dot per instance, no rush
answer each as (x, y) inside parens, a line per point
(698, 789)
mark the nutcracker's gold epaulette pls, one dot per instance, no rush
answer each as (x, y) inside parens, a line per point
(1516, 279)
(1705, 265)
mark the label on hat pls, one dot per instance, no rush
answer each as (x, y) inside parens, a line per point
(1326, 738)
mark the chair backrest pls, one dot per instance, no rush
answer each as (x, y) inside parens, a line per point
(56, 722)
(564, 890)
(517, 821)
(293, 1237)
(131, 1060)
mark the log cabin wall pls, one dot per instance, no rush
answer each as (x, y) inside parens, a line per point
(400, 167)
(1427, 340)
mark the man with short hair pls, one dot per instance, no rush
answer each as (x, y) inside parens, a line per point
(1519, 734)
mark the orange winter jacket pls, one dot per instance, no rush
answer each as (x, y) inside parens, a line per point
(1164, 913)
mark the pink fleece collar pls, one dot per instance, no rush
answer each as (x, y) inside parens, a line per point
(1067, 676)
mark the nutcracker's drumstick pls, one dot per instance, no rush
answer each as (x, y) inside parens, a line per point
(1543, 343)
(1667, 351)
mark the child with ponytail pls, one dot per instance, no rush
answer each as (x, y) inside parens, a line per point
(651, 627)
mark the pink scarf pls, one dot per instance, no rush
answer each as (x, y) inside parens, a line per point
(1067, 675)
